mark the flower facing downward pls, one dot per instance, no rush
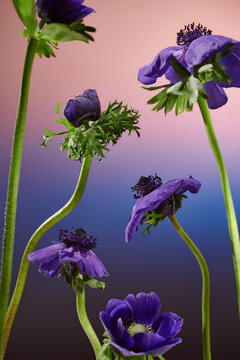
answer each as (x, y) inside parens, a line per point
(196, 45)
(163, 200)
(82, 107)
(135, 328)
(76, 247)
(62, 11)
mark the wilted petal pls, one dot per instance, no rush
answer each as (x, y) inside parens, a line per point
(82, 107)
(148, 74)
(92, 265)
(145, 307)
(70, 254)
(47, 254)
(205, 47)
(188, 184)
(51, 268)
(217, 96)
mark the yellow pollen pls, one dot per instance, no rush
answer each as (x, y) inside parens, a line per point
(135, 328)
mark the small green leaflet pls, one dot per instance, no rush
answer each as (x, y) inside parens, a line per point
(93, 283)
(105, 352)
(182, 95)
(212, 70)
(63, 32)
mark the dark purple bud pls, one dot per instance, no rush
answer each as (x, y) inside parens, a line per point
(62, 11)
(83, 107)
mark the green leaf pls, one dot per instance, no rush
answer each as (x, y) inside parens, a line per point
(176, 89)
(105, 353)
(192, 89)
(171, 101)
(26, 12)
(181, 103)
(25, 32)
(77, 284)
(64, 32)
(161, 357)
(162, 99)
(93, 283)
(45, 49)
(205, 68)
(157, 97)
(155, 87)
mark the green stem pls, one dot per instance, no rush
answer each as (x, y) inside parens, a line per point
(13, 184)
(64, 211)
(84, 321)
(205, 288)
(231, 216)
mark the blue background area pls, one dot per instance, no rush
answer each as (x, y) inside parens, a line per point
(46, 325)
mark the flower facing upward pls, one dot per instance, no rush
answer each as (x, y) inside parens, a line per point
(196, 45)
(62, 11)
(165, 200)
(76, 247)
(135, 328)
(82, 107)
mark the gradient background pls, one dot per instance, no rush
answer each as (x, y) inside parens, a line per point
(129, 35)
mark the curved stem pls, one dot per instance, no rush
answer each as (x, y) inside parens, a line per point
(84, 321)
(13, 184)
(205, 288)
(231, 216)
(64, 211)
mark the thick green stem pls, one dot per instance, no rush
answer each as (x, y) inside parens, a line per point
(64, 211)
(84, 321)
(205, 288)
(231, 216)
(13, 184)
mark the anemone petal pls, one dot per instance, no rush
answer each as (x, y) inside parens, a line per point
(217, 96)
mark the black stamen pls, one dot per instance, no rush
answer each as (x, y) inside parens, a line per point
(79, 238)
(191, 32)
(146, 185)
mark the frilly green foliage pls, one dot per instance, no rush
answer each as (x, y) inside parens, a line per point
(185, 93)
(94, 137)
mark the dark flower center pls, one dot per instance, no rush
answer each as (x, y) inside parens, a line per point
(146, 185)
(78, 238)
(191, 32)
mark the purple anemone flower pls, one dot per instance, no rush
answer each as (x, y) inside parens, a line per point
(164, 199)
(196, 45)
(82, 107)
(135, 328)
(62, 11)
(76, 247)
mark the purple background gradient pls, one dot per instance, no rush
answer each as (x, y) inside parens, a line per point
(129, 35)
